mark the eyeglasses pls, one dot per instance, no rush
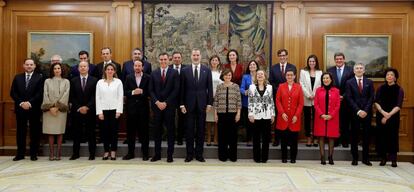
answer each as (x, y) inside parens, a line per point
(282, 55)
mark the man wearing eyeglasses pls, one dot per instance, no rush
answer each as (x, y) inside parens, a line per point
(277, 76)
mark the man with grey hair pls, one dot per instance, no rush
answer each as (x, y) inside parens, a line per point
(360, 96)
(128, 66)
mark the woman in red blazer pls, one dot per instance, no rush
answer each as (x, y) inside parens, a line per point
(236, 68)
(289, 103)
(327, 104)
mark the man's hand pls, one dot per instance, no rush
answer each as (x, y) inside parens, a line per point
(183, 110)
(138, 91)
(362, 114)
(83, 110)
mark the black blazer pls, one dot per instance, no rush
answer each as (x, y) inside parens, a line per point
(135, 102)
(128, 68)
(346, 75)
(99, 70)
(360, 101)
(167, 91)
(276, 77)
(33, 93)
(203, 91)
(80, 98)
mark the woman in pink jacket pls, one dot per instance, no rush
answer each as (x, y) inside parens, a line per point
(327, 104)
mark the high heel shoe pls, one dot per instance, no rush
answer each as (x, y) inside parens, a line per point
(330, 159)
(323, 162)
(113, 156)
(105, 156)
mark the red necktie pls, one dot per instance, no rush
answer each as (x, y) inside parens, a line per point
(360, 85)
(283, 69)
(163, 75)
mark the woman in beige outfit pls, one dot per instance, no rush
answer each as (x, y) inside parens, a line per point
(55, 107)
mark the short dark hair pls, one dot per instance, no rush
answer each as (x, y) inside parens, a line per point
(52, 74)
(330, 76)
(282, 50)
(290, 70)
(237, 54)
(395, 71)
(162, 54)
(339, 54)
(225, 72)
(177, 52)
(316, 62)
(83, 52)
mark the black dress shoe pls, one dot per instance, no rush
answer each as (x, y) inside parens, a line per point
(180, 143)
(169, 160)
(264, 161)
(308, 145)
(18, 158)
(292, 161)
(383, 162)
(257, 161)
(284, 160)
(74, 157)
(345, 145)
(367, 162)
(33, 158)
(91, 157)
(145, 158)
(201, 159)
(155, 158)
(394, 164)
(275, 143)
(330, 160)
(354, 162)
(323, 162)
(128, 157)
(188, 159)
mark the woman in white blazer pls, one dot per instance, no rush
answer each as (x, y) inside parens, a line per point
(262, 113)
(310, 80)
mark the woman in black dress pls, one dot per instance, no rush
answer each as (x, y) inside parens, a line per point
(388, 101)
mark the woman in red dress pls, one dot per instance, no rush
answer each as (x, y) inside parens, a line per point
(327, 103)
(233, 64)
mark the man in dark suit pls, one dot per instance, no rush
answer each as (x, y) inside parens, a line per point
(27, 93)
(276, 77)
(82, 98)
(164, 89)
(177, 65)
(342, 73)
(128, 66)
(136, 91)
(196, 99)
(360, 96)
(106, 54)
(83, 56)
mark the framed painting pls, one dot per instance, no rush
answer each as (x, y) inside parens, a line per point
(372, 50)
(214, 28)
(42, 45)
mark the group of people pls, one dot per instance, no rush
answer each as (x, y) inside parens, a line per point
(223, 96)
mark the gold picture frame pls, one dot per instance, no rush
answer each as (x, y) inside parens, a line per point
(372, 50)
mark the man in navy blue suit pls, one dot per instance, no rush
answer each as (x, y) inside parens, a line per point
(27, 93)
(196, 99)
(179, 66)
(83, 56)
(164, 89)
(360, 96)
(277, 76)
(128, 66)
(342, 73)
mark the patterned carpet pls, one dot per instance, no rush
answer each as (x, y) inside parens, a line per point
(136, 175)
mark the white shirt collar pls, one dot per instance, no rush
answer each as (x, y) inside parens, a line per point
(30, 74)
(86, 76)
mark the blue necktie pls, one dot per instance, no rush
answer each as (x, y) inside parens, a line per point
(339, 74)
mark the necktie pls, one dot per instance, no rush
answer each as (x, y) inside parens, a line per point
(163, 75)
(178, 69)
(27, 80)
(83, 83)
(360, 85)
(339, 75)
(283, 69)
(196, 74)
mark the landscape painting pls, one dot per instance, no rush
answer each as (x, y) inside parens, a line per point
(374, 51)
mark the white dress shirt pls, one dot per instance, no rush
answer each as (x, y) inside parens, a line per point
(109, 96)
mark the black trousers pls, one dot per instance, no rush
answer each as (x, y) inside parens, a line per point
(180, 126)
(165, 117)
(195, 131)
(109, 129)
(344, 122)
(261, 138)
(308, 114)
(227, 136)
(289, 138)
(84, 123)
(137, 122)
(360, 125)
(27, 120)
(246, 123)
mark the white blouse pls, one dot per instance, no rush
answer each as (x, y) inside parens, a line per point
(109, 96)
